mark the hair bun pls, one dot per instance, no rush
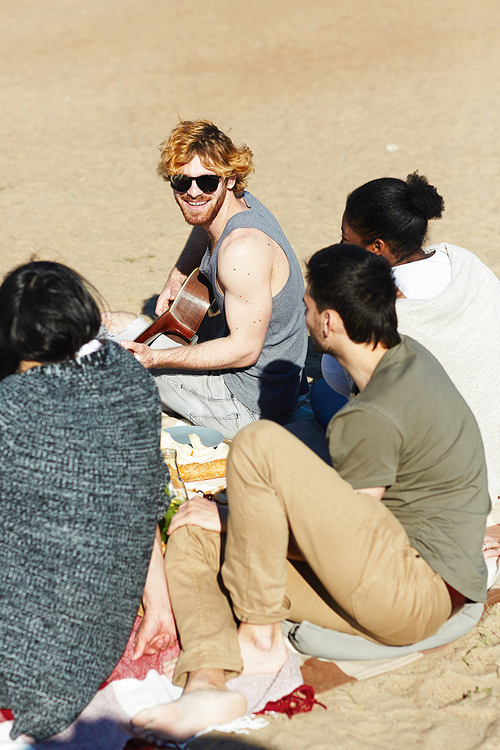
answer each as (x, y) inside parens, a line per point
(424, 197)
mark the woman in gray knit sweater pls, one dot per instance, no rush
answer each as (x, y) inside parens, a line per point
(81, 479)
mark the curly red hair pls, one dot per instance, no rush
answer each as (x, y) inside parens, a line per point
(214, 148)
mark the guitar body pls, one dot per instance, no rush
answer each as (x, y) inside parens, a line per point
(182, 319)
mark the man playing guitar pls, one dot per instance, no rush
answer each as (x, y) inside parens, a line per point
(255, 367)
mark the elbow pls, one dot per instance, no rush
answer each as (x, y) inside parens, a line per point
(243, 352)
(249, 359)
(249, 356)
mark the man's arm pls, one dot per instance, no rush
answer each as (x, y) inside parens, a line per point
(188, 260)
(198, 511)
(377, 492)
(244, 275)
(157, 629)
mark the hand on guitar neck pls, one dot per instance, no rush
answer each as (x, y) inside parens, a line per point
(170, 291)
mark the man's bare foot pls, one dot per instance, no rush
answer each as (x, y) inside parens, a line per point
(116, 322)
(205, 701)
(262, 648)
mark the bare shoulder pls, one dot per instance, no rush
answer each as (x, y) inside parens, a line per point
(250, 254)
(246, 248)
(244, 260)
(246, 240)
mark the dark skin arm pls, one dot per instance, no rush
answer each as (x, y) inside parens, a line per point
(157, 630)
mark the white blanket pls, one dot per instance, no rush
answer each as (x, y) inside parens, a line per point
(105, 723)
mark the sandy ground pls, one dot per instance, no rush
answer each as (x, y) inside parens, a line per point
(318, 90)
(328, 94)
(448, 699)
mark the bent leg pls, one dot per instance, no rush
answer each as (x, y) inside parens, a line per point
(209, 645)
(325, 402)
(353, 544)
(117, 326)
(201, 396)
(205, 621)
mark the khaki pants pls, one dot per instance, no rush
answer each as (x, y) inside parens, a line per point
(361, 575)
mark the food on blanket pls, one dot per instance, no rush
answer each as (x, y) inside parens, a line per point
(207, 470)
(174, 490)
(206, 485)
(165, 521)
(196, 461)
(218, 497)
(195, 488)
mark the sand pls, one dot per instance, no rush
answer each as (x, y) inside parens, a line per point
(328, 95)
(318, 90)
(450, 698)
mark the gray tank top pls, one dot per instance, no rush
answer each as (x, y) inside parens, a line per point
(270, 387)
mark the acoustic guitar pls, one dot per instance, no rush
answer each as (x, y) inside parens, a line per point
(184, 315)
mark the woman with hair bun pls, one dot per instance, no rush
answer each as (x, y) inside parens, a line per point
(81, 489)
(447, 300)
(390, 217)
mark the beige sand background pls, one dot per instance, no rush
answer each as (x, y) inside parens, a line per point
(328, 94)
(317, 89)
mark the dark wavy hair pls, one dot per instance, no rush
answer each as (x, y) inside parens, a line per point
(46, 314)
(395, 211)
(360, 286)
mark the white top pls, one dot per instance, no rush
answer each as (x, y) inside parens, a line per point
(91, 346)
(426, 278)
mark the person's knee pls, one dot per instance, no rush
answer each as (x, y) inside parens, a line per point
(176, 544)
(258, 434)
(252, 453)
(195, 543)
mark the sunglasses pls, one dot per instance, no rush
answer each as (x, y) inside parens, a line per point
(208, 183)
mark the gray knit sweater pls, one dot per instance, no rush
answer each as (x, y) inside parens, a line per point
(81, 475)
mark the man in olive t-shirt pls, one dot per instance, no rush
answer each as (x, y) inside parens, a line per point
(411, 432)
(384, 544)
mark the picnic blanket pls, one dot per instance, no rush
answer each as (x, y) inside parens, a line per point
(105, 722)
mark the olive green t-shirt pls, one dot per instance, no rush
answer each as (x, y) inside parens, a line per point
(410, 431)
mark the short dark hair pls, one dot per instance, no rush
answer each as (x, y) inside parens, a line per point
(360, 286)
(395, 211)
(46, 315)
